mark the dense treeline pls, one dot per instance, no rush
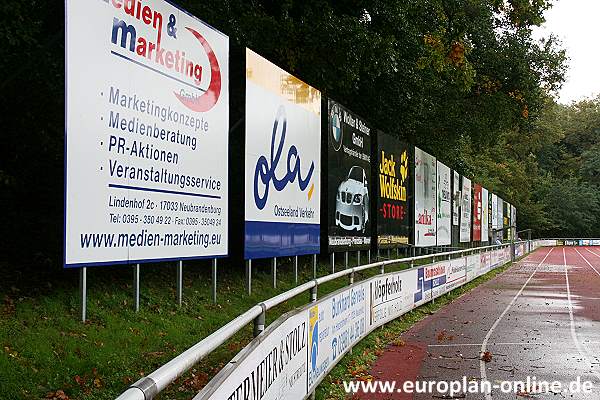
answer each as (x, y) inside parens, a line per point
(463, 79)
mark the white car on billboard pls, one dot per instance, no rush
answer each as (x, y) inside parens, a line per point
(352, 201)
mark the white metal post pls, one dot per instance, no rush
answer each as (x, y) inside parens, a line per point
(180, 283)
(83, 292)
(214, 280)
(136, 287)
(274, 272)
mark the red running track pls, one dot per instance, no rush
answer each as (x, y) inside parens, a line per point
(540, 318)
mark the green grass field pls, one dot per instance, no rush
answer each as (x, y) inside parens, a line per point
(48, 353)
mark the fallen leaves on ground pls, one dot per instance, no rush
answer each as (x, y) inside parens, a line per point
(58, 395)
(486, 357)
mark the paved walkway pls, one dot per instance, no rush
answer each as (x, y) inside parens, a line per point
(540, 318)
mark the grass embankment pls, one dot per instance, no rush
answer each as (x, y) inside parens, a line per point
(48, 353)
(357, 365)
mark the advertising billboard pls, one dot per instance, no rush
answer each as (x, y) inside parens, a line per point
(494, 211)
(465, 207)
(349, 179)
(485, 215)
(283, 162)
(425, 197)
(391, 296)
(271, 367)
(335, 324)
(147, 122)
(456, 198)
(477, 212)
(500, 218)
(444, 207)
(393, 186)
(431, 282)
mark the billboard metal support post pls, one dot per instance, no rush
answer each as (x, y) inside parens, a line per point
(249, 277)
(296, 269)
(274, 272)
(333, 262)
(83, 292)
(136, 287)
(314, 266)
(346, 260)
(179, 283)
(214, 280)
(369, 256)
(397, 252)
(358, 258)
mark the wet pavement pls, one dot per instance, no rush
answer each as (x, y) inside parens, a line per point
(539, 319)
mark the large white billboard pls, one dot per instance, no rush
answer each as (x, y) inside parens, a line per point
(494, 211)
(444, 207)
(465, 207)
(485, 215)
(283, 162)
(147, 120)
(425, 197)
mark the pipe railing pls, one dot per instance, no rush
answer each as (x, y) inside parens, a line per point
(149, 386)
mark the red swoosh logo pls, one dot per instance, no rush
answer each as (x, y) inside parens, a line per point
(211, 96)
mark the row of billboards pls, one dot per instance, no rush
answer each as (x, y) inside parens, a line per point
(147, 144)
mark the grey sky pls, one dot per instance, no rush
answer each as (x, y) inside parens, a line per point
(576, 23)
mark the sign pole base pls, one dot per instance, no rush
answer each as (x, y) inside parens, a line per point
(314, 266)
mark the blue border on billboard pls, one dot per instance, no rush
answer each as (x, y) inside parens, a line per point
(119, 262)
(280, 239)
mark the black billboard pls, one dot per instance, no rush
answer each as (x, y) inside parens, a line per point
(394, 160)
(348, 180)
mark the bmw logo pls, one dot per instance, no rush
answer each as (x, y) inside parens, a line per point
(335, 121)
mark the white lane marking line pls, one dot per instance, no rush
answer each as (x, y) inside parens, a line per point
(588, 263)
(482, 370)
(572, 319)
(500, 344)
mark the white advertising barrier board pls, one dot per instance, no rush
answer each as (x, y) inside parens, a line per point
(444, 208)
(485, 215)
(431, 282)
(147, 122)
(425, 199)
(292, 356)
(282, 162)
(485, 262)
(392, 295)
(272, 367)
(456, 274)
(474, 268)
(335, 325)
(465, 211)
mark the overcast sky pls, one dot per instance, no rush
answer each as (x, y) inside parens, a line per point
(577, 24)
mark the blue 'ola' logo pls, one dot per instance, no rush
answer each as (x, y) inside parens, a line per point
(265, 171)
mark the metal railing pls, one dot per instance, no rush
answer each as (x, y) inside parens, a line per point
(149, 386)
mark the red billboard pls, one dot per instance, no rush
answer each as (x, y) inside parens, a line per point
(476, 212)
